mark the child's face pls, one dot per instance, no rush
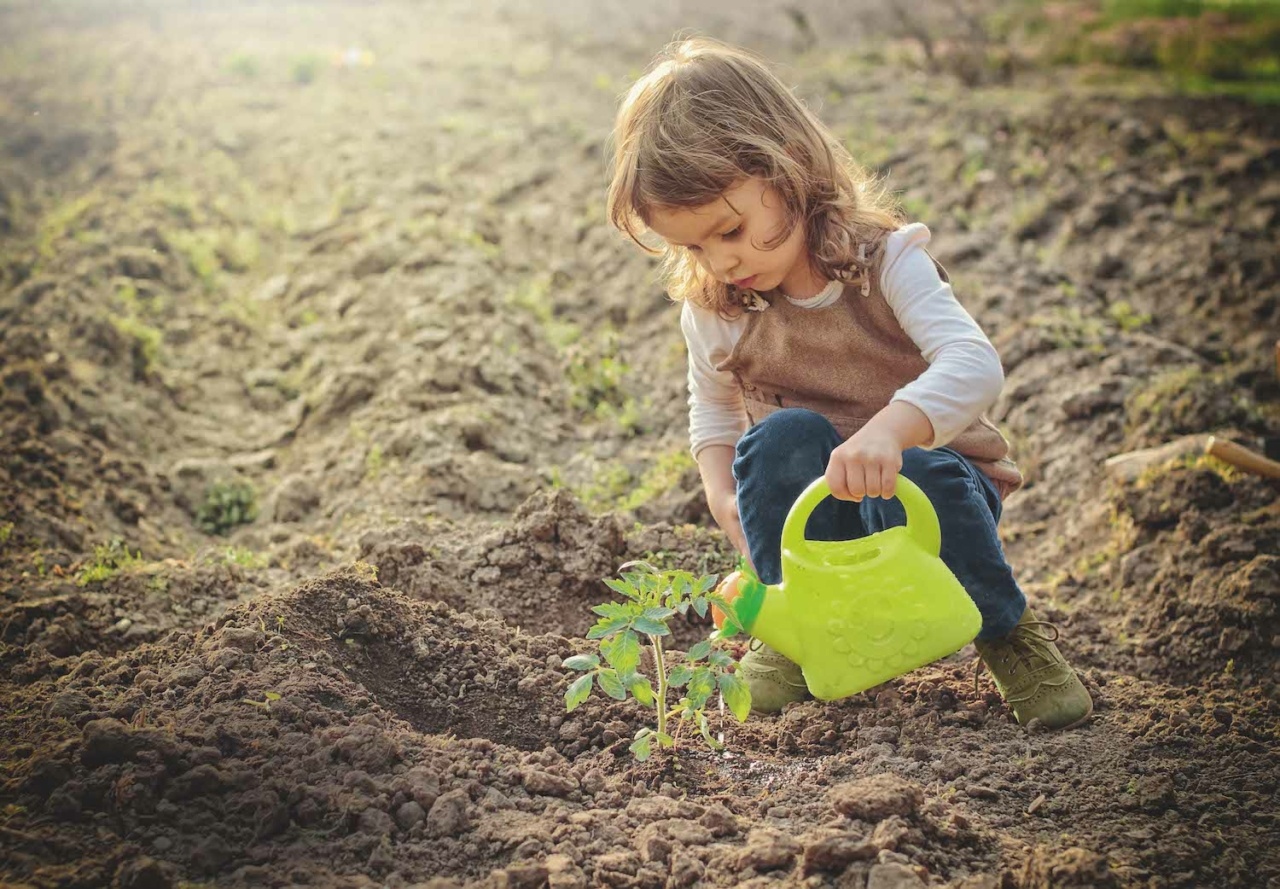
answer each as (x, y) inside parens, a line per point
(727, 237)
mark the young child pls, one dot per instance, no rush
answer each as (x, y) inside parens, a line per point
(823, 340)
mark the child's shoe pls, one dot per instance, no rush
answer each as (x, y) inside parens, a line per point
(1033, 676)
(773, 680)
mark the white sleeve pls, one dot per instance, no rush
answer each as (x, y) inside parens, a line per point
(964, 376)
(716, 412)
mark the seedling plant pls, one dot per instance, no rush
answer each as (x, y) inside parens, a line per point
(652, 597)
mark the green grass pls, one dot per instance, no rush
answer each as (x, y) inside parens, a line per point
(108, 560)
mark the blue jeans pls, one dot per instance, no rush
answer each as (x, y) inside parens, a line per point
(777, 459)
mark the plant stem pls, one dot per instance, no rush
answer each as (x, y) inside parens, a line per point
(661, 669)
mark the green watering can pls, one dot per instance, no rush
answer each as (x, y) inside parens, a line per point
(855, 613)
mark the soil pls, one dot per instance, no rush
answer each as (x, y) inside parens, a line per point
(355, 257)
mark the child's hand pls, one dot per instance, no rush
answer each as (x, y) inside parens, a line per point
(867, 465)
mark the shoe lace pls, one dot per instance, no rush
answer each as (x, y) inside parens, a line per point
(1025, 643)
(754, 644)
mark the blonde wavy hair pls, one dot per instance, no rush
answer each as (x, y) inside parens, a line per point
(706, 116)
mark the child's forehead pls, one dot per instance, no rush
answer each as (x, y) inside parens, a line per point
(677, 222)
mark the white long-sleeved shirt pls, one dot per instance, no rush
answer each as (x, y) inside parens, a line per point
(964, 376)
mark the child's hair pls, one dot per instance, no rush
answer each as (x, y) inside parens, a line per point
(706, 116)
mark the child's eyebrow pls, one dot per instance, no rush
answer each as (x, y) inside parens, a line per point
(719, 223)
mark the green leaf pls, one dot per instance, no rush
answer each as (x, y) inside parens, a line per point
(641, 690)
(611, 610)
(622, 652)
(736, 695)
(700, 688)
(699, 651)
(636, 580)
(721, 659)
(620, 587)
(680, 675)
(642, 747)
(611, 685)
(658, 612)
(578, 692)
(700, 606)
(650, 627)
(707, 582)
(607, 627)
(664, 739)
(581, 662)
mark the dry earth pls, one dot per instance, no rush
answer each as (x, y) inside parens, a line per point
(380, 289)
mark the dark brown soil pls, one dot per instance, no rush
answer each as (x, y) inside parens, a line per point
(378, 287)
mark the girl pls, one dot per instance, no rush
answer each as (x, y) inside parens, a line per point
(822, 339)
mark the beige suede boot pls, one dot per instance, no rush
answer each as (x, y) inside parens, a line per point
(773, 680)
(1033, 676)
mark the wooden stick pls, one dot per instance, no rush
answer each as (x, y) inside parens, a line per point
(1241, 457)
(1129, 466)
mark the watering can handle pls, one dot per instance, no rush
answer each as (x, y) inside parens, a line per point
(922, 520)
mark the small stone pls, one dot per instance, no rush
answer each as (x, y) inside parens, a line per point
(107, 741)
(720, 821)
(145, 873)
(547, 784)
(893, 876)
(876, 797)
(766, 851)
(69, 704)
(409, 815)
(835, 853)
(244, 639)
(1036, 804)
(448, 815)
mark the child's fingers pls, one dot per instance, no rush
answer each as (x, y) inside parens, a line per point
(856, 481)
(872, 474)
(837, 480)
(888, 482)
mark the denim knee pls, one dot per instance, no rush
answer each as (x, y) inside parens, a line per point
(792, 445)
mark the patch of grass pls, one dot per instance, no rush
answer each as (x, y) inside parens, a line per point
(304, 68)
(1069, 328)
(6, 531)
(661, 477)
(1125, 317)
(59, 221)
(531, 295)
(596, 375)
(245, 558)
(606, 489)
(240, 251)
(200, 250)
(244, 64)
(109, 559)
(226, 505)
(144, 341)
(1204, 46)
(373, 461)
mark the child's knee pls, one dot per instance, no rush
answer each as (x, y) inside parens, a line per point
(791, 445)
(944, 476)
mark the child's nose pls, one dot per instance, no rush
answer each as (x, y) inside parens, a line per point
(724, 262)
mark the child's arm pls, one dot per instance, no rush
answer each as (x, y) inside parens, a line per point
(868, 462)
(717, 416)
(963, 379)
(715, 463)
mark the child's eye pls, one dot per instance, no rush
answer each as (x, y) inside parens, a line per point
(734, 233)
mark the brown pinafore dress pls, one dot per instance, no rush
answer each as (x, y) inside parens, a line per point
(846, 361)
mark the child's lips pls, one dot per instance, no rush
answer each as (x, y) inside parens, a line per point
(744, 282)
